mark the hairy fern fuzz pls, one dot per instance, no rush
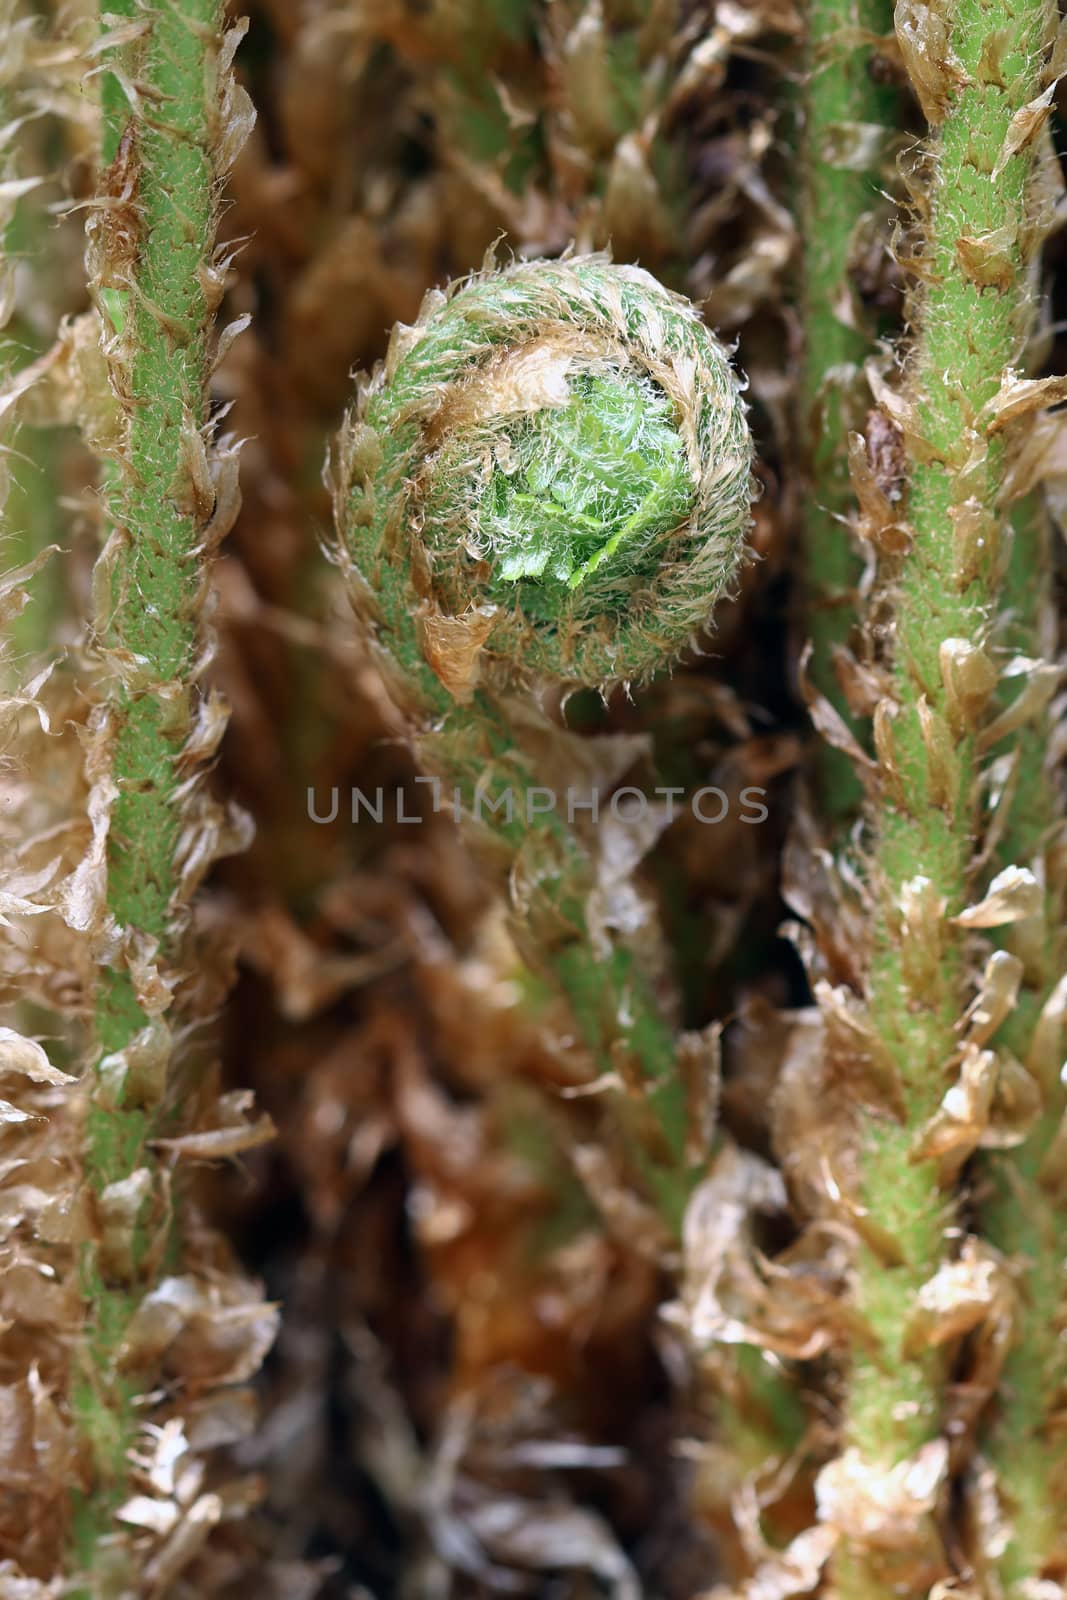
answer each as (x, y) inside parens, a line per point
(551, 472)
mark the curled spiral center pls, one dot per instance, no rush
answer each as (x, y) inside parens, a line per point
(565, 490)
(549, 474)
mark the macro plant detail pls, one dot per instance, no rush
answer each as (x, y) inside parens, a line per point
(1022, 1212)
(847, 112)
(644, 1202)
(569, 441)
(548, 481)
(122, 958)
(562, 119)
(928, 1093)
(546, 486)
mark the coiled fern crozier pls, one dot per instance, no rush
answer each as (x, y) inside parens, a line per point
(547, 482)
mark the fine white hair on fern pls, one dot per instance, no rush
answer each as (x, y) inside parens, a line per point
(550, 473)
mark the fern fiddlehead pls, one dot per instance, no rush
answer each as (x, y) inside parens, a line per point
(547, 482)
(570, 441)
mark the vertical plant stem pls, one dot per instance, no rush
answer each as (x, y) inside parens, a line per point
(843, 106)
(971, 327)
(115, 110)
(156, 253)
(618, 162)
(615, 1009)
(480, 44)
(115, 117)
(1025, 1215)
(155, 614)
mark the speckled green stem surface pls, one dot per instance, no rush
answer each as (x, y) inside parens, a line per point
(978, 69)
(153, 254)
(1024, 1215)
(847, 109)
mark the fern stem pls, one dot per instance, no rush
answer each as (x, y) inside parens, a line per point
(115, 109)
(972, 323)
(155, 256)
(1024, 1216)
(518, 509)
(846, 112)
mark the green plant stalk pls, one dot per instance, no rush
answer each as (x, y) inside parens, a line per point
(570, 102)
(31, 523)
(154, 619)
(615, 1011)
(18, 549)
(115, 109)
(611, 1001)
(1025, 1217)
(842, 103)
(969, 334)
(613, 84)
(7, 21)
